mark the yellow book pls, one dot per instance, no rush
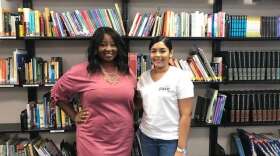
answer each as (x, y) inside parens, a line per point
(253, 26)
(63, 117)
(58, 117)
(47, 23)
(120, 18)
(37, 23)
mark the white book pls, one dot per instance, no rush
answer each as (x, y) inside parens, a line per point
(143, 25)
(201, 67)
(211, 107)
(187, 68)
(120, 18)
(73, 25)
(155, 26)
(132, 28)
(67, 24)
(159, 29)
(59, 23)
(187, 26)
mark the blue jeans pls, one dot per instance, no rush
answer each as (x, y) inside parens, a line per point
(156, 147)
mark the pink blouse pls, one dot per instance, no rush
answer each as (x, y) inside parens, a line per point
(109, 128)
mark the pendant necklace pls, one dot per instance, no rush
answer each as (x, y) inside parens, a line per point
(112, 78)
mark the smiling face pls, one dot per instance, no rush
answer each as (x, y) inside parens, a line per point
(107, 50)
(160, 55)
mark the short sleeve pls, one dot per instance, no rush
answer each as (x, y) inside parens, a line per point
(184, 88)
(72, 82)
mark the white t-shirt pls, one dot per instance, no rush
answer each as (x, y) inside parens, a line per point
(160, 102)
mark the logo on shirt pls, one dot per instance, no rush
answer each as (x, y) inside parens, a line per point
(164, 89)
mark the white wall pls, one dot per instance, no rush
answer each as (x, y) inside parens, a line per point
(13, 100)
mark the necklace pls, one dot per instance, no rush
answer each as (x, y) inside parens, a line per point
(112, 78)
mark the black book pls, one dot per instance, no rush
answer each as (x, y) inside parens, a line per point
(249, 67)
(232, 109)
(258, 65)
(240, 66)
(263, 65)
(244, 67)
(264, 107)
(259, 108)
(247, 108)
(268, 66)
(273, 65)
(237, 111)
(277, 66)
(254, 109)
(198, 108)
(269, 108)
(254, 65)
(230, 66)
(278, 107)
(204, 109)
(234, 66)
(242, 111)
(274, 109)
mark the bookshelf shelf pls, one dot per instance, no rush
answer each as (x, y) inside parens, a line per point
(249, 124)
(172, 38)
(8, 38)
(30, 85)
(7, 86)
(135, 38)
(10, 128)
(251, 39)
(55, 38)
(252, 82)
(207, 82)
(60, 130)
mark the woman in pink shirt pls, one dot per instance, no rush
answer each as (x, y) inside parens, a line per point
(106, 88)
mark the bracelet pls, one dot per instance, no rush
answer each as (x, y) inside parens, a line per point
(181, 150)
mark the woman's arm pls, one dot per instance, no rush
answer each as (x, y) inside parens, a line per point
(185, 110)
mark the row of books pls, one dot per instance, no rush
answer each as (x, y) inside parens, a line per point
(8, 21)
(139, 63)
(252, 65)
(168, 23)
(253, 144)
(242, 26)
(254, 107)
(17, 146)
(44, 115)
(182, 24)
(19, 69)
(200, 67)
(12, 68)
(39, 71)
(49, 23)
(210, 109)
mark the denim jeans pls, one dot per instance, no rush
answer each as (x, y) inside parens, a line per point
(156, 147)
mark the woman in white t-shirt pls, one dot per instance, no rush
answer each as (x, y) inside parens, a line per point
(166, 93)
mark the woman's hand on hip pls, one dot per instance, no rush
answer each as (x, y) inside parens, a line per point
(82, 116)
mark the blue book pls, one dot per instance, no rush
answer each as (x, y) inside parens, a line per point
(238, 145)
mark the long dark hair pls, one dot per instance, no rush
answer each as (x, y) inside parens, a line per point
(163, 39)
(121, 60)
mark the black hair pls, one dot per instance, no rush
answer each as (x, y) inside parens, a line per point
(94, 61)
(163, 39)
